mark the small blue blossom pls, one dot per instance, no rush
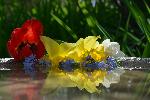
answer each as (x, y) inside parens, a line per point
(112, 63)
(29, 64)
(67, 65)
(101, 65)
(91, 64)
(96, 65)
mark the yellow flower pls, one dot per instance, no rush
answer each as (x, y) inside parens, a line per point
(98, 53)
(88, 46)
(56, 52)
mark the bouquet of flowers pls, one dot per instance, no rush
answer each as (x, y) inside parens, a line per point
(85, 64)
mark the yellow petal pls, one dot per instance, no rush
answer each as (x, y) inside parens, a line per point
(83, 81)
(80, 45)
(56, 80)
(89, 42)
(98, 53)
(78, 78)
(51, 46)
(74, 55)
(65, 48)
(98, 76)
(90, 86)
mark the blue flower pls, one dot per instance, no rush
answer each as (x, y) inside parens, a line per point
(91, 64)
(111, 63)
(29, 64)
(95, 65)
(101, 65)
(67, 65)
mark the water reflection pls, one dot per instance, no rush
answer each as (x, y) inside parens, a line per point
(27, 91)
(16, 85)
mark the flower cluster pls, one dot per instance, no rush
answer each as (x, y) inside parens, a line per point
(89, 64)
(30, 65)
(84, 64)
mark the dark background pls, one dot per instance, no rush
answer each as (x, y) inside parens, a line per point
(123, 21)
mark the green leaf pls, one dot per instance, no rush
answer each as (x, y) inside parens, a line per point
(91, 21)
(70, 31)
(148, 9)
(139, 17)
(146, 52)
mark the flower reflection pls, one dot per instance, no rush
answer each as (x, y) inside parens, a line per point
(22, 86)
(29, 65)
(27, 92)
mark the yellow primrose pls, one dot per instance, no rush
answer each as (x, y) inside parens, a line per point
(98, 53)
(88, 46)
(76, 51)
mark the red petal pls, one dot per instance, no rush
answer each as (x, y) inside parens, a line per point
(25, 52)
(17, 35)
(31, 37)
(16, 53)
(35, 25)
(28, 34)
(12, 50)
(40, 51)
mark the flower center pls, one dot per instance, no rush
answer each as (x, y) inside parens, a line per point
(32, 46)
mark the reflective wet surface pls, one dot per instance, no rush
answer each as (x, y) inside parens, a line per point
(16, 85)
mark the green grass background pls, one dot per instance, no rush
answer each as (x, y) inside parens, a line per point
(124, 21)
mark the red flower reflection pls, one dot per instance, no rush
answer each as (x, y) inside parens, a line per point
(25, 41)
(22, 87)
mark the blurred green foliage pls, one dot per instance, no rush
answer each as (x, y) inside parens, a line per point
(123, 21)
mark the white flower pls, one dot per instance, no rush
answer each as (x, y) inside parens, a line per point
(112, 77)
(112, 48)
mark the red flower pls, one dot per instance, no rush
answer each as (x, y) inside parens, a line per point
(25, 41)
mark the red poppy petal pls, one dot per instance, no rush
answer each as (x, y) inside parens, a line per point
(31, 37)
(38, 27)
(18, 54)
(17, 34)
(35, 25)
(19, 46)
(40, 51)
(25, 52)
(12, 50)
